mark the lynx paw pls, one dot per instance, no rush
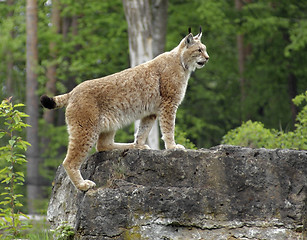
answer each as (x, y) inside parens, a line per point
(145, 146)
(86, 185)
(176, 146)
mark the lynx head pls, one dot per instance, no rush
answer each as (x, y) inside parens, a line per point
(193, 52)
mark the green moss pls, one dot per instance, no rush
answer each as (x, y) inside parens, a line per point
(133, 234)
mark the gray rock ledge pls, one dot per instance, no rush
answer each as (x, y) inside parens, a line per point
(222, 193)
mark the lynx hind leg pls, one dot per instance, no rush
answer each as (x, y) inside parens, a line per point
(78, 148)
(106, 142)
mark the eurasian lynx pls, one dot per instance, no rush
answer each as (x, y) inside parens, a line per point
(97, 108)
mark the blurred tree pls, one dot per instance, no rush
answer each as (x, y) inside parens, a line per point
(243, 52)
(52, 65)
(34, 191)
(254, 134)
(147, 21)
(212, 102)
(10, 65)
(275, 74)
(12, 54)
(86, 47)
(91, 42)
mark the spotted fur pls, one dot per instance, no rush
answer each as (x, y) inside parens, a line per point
(96, 108)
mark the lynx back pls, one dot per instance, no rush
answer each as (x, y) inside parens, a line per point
(96, 108)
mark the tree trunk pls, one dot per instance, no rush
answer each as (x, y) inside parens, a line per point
(33, 187)
(49, 116)
(146, 31)
(138, 16)
(242, 54)
(9, 57)
(51, 69)
(159, 21)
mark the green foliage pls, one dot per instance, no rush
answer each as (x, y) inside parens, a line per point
(181, 138)
(300, 133)
(254, 134)
(40, 230)
(276, 52)
(211, 105)
(39, 236)
(55, 151)
(12, 154)
(125, 135)
(274, 37)
(12, 48)
(92, 42)
(251, 134)
(97, 46)
(64, 232)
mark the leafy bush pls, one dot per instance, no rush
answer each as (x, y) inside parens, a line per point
(181, 138)
(11, 155)
(254, 134)
(64, 232)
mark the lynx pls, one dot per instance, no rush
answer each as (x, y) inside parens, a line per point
(96, 108)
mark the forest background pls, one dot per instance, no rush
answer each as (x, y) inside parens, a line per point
(257, 66)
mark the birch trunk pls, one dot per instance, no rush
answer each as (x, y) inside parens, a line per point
(146, 32)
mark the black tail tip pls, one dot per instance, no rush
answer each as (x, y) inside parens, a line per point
(47, 102)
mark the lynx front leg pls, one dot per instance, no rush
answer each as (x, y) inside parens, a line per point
(145, 126)
(167, 125)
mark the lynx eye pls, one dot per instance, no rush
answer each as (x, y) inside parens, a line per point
(199, 50)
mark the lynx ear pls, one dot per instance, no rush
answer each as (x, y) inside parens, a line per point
(189, 40)
(198, 36)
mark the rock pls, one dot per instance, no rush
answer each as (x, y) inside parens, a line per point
(225, 192)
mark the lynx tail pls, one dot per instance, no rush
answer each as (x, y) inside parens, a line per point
(55, 102)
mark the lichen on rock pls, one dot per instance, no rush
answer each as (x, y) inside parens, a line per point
(225, 192)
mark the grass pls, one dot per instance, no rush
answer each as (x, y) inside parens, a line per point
(40, 230)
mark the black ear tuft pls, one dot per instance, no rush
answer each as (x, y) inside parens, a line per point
(190, 30)
(47, 102)
(200, 29)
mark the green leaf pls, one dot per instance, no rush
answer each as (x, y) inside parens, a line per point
(16, 119)
(19, 105)
(4, 202)
(20, 174)
(18, 204)
(6, 180)
(12, 142)
(3, 170)
(8, 219)
(2, 134)
(24, 215)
